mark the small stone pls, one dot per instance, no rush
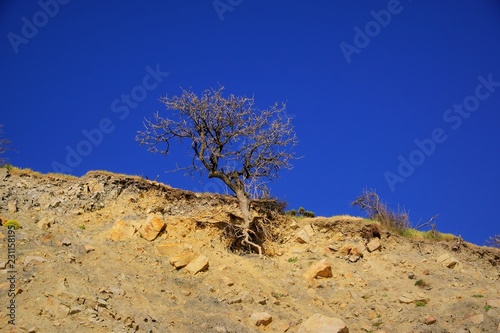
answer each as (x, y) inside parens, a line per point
(319, 323)
(353, 258)
(261, 318)
(181, 260)
(477, 319)
(12, 207)
(227, 281)
(406, 299)
(429, 320)
(88, 248)
(29, 259)
(321, 268)
(198, 265)
(66, 242)
(494, 303)
(294, 225)
(44, 223)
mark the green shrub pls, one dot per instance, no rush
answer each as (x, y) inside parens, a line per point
(421, 283)
(12, 223)
(301, 212)
(420, 303)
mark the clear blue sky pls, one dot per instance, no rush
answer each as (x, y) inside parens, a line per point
(362, 80)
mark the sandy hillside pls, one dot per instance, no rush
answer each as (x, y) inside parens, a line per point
(116, 253)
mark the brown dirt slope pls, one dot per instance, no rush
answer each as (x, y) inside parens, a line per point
(117, 253)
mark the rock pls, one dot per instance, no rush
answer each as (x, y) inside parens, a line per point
(319, 323)
(88, 248)
(121, 230)
(304, 235)
(406, 299)
(4, 173)
(350, 249)
(45, 223)
(261, 318)
(447, 260)
(227, 281)
(294, 225)
(373, 245)
(321, 268)
(12, 207)
(246, 297)
(494, 303)
(3, 264)
(411, 298)
(477, 319)
(66, 241)
(429, 320)
(153, 226)
(29, 259)
(181, 260)
(198, 265)
(170, 249)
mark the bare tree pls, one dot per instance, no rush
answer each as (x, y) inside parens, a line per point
(5, 144)
(230, 139)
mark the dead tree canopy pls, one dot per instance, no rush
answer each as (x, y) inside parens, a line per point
(230, 139)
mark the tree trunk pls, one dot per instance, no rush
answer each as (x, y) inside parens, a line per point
(244, 207)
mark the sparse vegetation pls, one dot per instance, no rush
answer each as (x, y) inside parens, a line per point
(5, 145)
(487, 308)
(278, 295)
(12, 224)
(370, 203)
(232, 141)
(422, 284)
(420, 303)
(396, 221)
(82, 227)
(494, 241)
(294, 259)
(301, 212)
(478, 296)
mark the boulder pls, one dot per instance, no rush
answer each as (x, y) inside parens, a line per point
(319, 323)
(373, 245)
(304, 235)
(447, 261)
(170, 249)
(321, 268)
(121, 230)
(198, 265)
(153, 226)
